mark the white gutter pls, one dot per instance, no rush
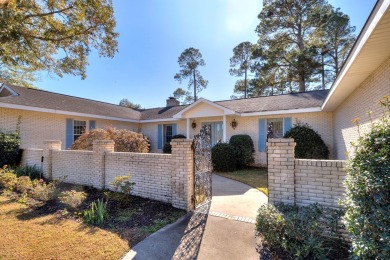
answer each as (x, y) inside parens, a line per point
(278, 112)
(158, 120)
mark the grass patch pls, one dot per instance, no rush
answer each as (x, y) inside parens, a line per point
(255, 177)
(40, 237)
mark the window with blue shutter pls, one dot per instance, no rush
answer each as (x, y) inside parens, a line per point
(69, 133)
(159, 136)
(287, 124)
(262, 135)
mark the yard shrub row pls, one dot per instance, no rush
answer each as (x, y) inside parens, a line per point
(311, 232)
(238, 153)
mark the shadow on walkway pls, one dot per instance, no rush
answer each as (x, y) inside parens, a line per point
(180, 240)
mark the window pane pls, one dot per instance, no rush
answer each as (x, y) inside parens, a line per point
(167, 133)
(78, 129)
(276, 126)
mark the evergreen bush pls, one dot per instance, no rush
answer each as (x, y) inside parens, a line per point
(243, 150)
(9, 148)
(368, 191)
(222, 157)
(309, 143)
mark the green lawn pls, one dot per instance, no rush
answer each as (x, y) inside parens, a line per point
(255, 177)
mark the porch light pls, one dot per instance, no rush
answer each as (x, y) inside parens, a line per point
(234, 123)
(193, 125)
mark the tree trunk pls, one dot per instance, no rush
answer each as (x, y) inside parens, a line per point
(302, 87)
(195, 98)
(245, 85)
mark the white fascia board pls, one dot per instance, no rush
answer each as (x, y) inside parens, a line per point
(61, 112)
(279, 112)
(3, 86)
(376, 17)
(159, 120)
(226, 111)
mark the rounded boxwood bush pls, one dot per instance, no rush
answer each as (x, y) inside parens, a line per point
(243, 149)
(368, 193)
(309, 143)
(222, 157)
(168, 147)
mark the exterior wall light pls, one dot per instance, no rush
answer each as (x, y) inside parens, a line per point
(234, 123)
(193, 125)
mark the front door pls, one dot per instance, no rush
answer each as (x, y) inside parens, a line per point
(216, 131)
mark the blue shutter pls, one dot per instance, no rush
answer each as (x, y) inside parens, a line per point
(159, 136)
(69, 133)
(287, 124)
(262, 134)
(92, 124)
(174, 129)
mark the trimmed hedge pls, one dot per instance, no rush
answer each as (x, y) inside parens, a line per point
(309, 143)
(223, 158)
(9, 148)
(168, 147)
(243, 149)
(125, 140)
(367, 199)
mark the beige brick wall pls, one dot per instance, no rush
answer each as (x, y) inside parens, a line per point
(36, 127)
(302, 181)
(164, 177)
(365, 98)
(152, 173)
(320, 181)
(75, 166)
(31, 157)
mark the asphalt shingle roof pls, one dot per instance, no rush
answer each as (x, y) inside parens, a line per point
(50, 100)
(279, 102)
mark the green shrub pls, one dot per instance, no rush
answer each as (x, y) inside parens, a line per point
(368, 191)
(168, 147)
(72, 198)
(243, 149)
(312, 232)
(125, 140)
(8, 179)
(46, 191)
(33, 172)
(222, 157)
(123, 184)
(9, 148)
(309, 143)
(97, 214)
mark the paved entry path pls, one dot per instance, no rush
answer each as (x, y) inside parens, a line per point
(223, 230)
(230, 226)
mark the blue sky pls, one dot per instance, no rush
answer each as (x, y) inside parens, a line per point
(153, 33)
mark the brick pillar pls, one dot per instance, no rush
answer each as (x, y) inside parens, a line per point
(182, 174)
(100, 148)
(49, 146)
(281, 167)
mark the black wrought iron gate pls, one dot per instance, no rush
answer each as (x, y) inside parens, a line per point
(202, 159)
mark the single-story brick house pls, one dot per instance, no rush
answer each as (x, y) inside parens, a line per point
(362, 82)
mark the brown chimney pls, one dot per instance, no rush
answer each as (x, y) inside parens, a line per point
(171, 102)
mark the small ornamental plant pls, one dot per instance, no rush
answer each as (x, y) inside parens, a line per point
(368, 190)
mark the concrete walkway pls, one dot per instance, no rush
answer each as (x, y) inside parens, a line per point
(223, 230)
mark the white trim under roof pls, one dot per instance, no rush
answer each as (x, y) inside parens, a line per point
(13, 93)
(280, 112)
(225, 110)
(158, 120)
(337, 95)
(62, 112)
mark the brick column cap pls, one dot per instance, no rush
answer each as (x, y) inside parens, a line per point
(280, 140)
(181, 141)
